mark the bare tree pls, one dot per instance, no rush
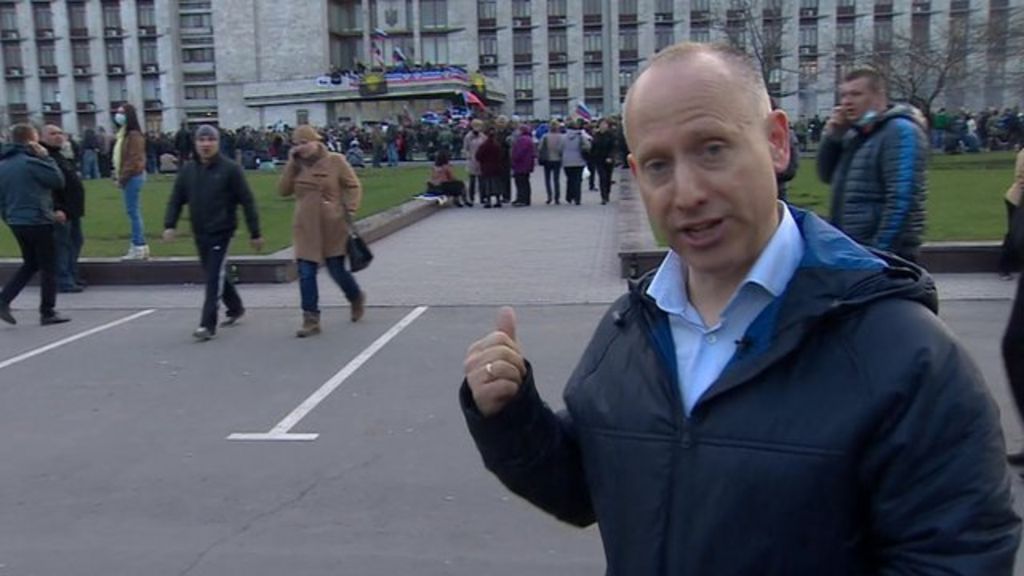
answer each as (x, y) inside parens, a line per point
(757, 28)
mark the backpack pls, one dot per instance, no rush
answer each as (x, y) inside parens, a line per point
(543, 152)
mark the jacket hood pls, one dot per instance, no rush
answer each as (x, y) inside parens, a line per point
(836, 275)
(10, 150)
(904, 111)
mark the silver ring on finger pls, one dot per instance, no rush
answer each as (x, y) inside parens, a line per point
(488, 369)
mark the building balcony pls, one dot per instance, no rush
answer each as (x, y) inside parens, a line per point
(115, 70)
(78, 33)
(809, 13)
(524, 94)
(846, 11)
(17, 108)
(153, 105)
(593, 93)
(44, 34)
(736, 14)
(593, 56)
(85, 107)
(557, 21)
(921, 7)
(487, 24)
(559, 93)
(592, 20)
(883, 9)
(629, 55)
(808, 50)
(115, 104)
(10, 35)
(627, 18)
(147, 32)
(488, 59)
(522, 58)
(558, 57)
(700, 16)
(51, 108)
(664, 18)
(959, 5)
(14, 72)
(82, 71)
(48, 72)
(522, 22)
(112, 32)
(150, 68)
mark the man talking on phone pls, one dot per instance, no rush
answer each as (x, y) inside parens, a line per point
(875, 156)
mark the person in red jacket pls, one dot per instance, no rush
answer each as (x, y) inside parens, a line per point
(489, 156)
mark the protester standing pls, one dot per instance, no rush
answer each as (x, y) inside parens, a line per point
(524, 157)
(550, 154)
(1009, 256)
(69, 208)
(130, 173)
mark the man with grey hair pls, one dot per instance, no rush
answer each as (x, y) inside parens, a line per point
(214, 187)
(774, 399)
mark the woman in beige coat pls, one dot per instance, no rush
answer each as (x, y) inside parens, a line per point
(1009, 260)
(324, 187)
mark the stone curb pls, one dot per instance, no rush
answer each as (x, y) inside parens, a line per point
(274, 268)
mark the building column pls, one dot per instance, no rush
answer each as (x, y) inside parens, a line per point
(132, 59)
(98, 63)
(169, 57)
(62, 57)
(30, 61)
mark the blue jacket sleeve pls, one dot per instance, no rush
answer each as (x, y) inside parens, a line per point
(45, 172)
(903, 160)
(534, 452)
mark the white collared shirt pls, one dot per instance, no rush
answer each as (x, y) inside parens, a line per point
(702, 352)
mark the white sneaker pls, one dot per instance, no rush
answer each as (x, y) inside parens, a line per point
(137, 253)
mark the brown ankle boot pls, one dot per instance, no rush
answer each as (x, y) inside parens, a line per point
(310, 324)
(358, 307)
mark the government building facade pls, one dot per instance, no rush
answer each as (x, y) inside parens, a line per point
(271, 62)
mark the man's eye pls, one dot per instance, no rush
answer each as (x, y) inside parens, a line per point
(655, 167)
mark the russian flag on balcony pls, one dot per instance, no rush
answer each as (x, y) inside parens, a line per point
(472, 99)
(583, 112)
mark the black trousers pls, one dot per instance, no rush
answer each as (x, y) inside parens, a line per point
(213, 252)
(1008, 257)
(473, 180)
(38, 254)
(604, 175)
(574, 183)
(523, 191)
(1013, 347)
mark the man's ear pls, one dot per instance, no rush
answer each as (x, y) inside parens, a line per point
(778, 139)
(632, 164)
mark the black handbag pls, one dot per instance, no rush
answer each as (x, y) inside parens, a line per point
(358, 253)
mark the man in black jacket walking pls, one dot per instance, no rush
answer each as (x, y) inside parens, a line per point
(213, 187)
(69, 208)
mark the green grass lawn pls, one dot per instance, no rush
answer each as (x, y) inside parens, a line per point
(106, 227)
(965, 195)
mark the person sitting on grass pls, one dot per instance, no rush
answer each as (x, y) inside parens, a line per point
(443, 181)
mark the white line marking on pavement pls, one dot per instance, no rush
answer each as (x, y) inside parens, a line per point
(74, 338)
(281, 431)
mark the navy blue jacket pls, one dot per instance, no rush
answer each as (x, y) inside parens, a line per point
(27, 183)
(850, 435)
(213, 191)
(878, 178)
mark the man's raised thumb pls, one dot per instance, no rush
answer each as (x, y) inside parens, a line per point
(507, 321)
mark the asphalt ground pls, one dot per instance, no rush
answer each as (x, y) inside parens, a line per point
(117, 446)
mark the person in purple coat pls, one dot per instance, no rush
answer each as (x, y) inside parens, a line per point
(524, 156)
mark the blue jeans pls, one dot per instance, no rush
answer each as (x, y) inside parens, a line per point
(308, 289)
(131, 191)
(90, 165)
(69, 246)
(392, 154)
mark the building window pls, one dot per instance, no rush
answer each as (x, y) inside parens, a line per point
(12, 55)
(626, 75)
(16, 92)
(627, 7)
(346, 52)
(435, 49)
(883, 33)
(809, 72)
(117, 90)
(809, 4)
(489, 45)
(76, 16)
(433, 14)
(115, 54)
(198, 77)
(200, 92)
(523, 80)
(559, 108)
(112, 16)
(521, 9)
(700, 35)
(627, 40)
(844, 33)
(809, 35)
(592, 7)
(593, 78)
(701, 5)
(80, 54)
(43, 16)
(522, 43)
(83, 91)
(487, 10)
(845, 3)
(147, 50)
(345, 16)
(192, 55)
(196, 20)
(663, 38)
(558, 79)
(8, 17)
(664, 7)
(45, 53)
(50, 91)
(557, 43)
(592, 41)
(556, 8)
(524, 108)
(151, 89)
(147, 15)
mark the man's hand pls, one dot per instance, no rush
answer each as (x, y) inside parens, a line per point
(60, 216)
(169, 234)
(838, 122)
(495, 367)
(257, 244)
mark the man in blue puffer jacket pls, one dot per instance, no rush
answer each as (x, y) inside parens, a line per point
(776, 400)
(875, 158)
(28, 177)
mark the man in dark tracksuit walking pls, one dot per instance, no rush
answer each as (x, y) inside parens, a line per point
(69, 208)
(213, 187)
(28, 177)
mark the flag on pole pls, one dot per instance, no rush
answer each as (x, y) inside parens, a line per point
(583, 112)
(472, 99)
(379, 33)
(398, 55)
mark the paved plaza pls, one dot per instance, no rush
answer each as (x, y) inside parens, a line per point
(129, 449)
